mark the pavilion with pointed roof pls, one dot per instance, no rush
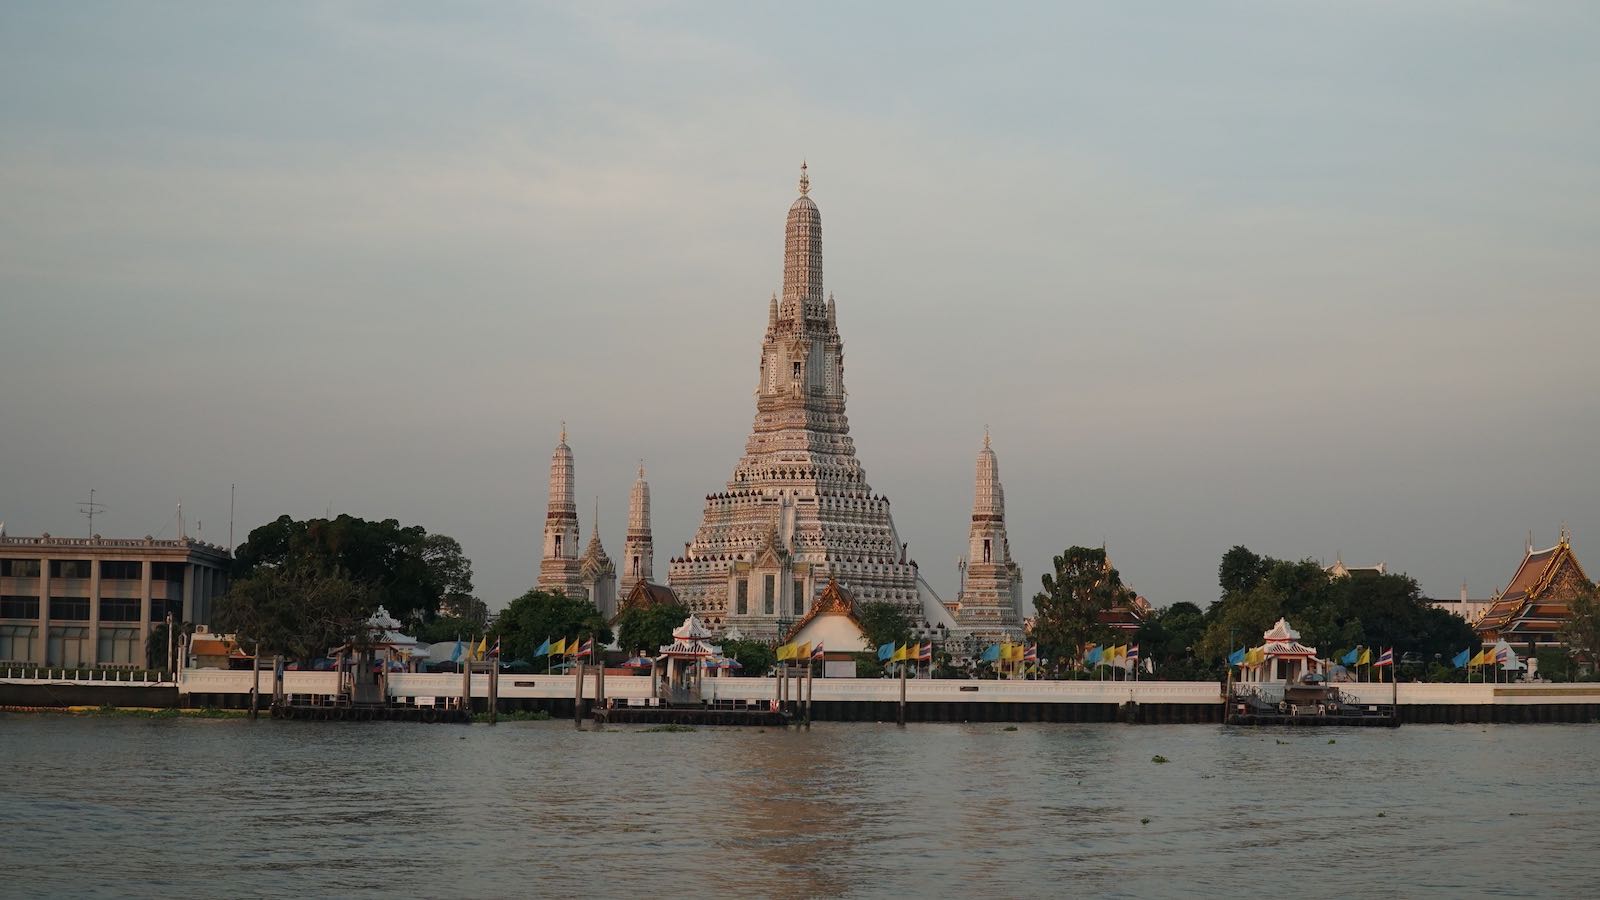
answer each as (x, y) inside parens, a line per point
(679, 662)
(1537, 602)
(1286, 659)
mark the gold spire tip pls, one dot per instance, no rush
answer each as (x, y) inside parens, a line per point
(805, 180)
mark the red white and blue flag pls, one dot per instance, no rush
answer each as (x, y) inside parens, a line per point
(816, 652)
(1386, 658)
(1031, 654)
(925, 652)
(1133, 653)
(587, 649)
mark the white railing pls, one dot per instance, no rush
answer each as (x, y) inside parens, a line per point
(58, 675)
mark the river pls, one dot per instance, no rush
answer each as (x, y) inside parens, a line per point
(114, 806)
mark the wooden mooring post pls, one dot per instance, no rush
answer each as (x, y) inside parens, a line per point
(494, 691)
(810, 676)
(255, 684)
(900, 719)
(577, 700)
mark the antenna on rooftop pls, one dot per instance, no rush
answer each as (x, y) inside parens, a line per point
(89, 509)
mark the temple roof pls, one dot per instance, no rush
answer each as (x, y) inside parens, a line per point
(835, 600)
(692, 629)
(1529, 584)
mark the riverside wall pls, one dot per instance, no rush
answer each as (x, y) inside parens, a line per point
(846, 699)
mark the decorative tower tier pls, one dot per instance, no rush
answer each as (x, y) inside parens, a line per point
(559, 569)
(638, 548)
(797, 510)
(990, 602)
(597, 573)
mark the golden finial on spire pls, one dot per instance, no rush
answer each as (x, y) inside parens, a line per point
(641, 468)
(563, 431)
(985, 437)
(805, 180)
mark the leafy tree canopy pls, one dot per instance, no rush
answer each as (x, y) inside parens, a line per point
(884, 623)
(648, 626)
(1067, 612)
(298, 612)
(536, 616)
(1331, 614)
(754, 657)
(1582, 631)
(416, 576)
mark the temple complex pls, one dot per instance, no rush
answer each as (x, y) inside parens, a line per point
(989, 604)
(1532, 609)
(797, 511)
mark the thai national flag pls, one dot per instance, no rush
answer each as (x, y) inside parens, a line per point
(1386, 658)
(1133, 653)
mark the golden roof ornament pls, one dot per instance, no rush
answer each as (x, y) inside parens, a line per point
(805, 180)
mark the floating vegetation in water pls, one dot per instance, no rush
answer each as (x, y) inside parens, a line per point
(1383, 815)
(1145, 821)
(1158, 759)
(1281, 742)
(673, 729)
(515, 715)
(1332, 741)
(1009, 728)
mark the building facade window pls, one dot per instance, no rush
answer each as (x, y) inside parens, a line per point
(799, 597)
(69, 609)
(13, 606)
(987, 552)
(742, 606)
(166, 571)
(16, 643)
(69, 568)
(121, 570)
(118, 647)
(160, 608)
(769, 586)
(67, 646)
(558, 546)
(119, 609)
(635, 571)
(19, 568)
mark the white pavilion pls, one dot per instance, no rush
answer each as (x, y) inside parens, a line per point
(1286, 659)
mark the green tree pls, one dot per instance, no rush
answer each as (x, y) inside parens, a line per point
(536, 616)
(1241, 570)
(299, 612)
(417, 576)
(1581, 631)
(754, 657)
(884, 623)
(155, 646)
(1080, 590)
(1169, 639)
(648, 626)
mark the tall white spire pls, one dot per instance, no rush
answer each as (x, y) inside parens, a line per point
(802, 254)
(991, 596)
(638, 550)
(558, 567)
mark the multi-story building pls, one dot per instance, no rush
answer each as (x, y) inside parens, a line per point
(93, 601)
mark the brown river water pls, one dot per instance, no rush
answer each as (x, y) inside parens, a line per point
(110, 806)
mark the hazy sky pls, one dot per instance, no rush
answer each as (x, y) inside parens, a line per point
(1313, 278)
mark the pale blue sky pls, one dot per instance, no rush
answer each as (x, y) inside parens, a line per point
(1308, 277)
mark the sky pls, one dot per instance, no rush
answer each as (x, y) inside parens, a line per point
(1318, 279)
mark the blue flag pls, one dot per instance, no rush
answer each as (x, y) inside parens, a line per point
(455, 654)
(1460, 660)
(544, 648)
(1350, 658)
(886, 651)
(991, 654)
(1094, 656)
(1236, 657)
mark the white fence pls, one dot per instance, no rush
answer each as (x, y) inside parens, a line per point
(887, 690)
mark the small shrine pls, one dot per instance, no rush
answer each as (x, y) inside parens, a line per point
(679, 664)
(1283, 657)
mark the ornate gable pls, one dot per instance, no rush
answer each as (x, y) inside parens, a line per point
(835, 601)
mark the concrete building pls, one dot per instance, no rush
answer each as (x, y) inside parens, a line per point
(93, 601)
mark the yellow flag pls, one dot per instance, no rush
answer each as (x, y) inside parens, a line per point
(1015, 652)
(1366, 657)
(483, 647)
(1481, 657)
(783, 652)
(559, 647)
(803, 651)
(899, 653)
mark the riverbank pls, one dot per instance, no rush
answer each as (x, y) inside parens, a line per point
(132, 712)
